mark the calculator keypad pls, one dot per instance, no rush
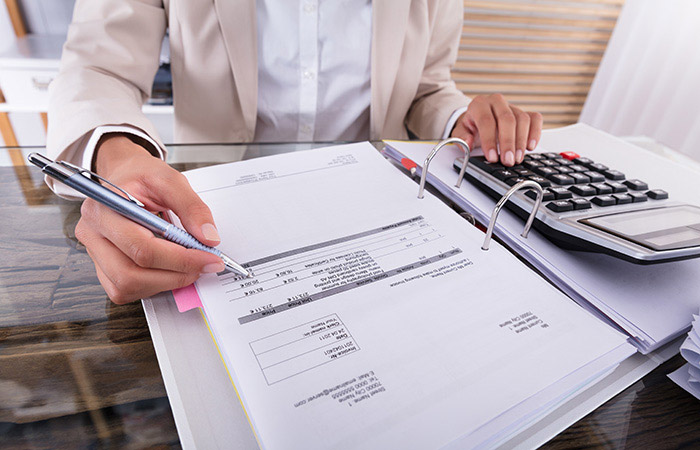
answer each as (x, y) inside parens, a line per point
(572, 182)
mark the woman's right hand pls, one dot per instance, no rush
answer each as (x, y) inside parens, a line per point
(131, 262)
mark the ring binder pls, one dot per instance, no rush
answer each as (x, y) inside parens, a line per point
(502, 202)
(431, 155)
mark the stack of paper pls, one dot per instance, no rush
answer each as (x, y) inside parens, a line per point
(374, 319)
(652, 304)
(688, 376)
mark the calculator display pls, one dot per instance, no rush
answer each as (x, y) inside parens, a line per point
(676, 238)
(659, 229)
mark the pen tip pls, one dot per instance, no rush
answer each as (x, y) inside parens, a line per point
(234, 267)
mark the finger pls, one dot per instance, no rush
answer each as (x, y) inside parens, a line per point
(505, 120)
(462, 132)
(485, 123)
(172, 191)
(123, 280)
(536, 122)
(522, 131)
(107, 284)
(142, 247)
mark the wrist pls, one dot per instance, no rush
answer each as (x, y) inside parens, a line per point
(114, 151)
(457, 122)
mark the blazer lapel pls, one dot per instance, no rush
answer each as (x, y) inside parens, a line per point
(389, 23)
(238, 26)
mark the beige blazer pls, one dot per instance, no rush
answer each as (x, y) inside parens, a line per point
(112, 54)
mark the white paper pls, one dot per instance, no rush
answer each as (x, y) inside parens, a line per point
(688, 376)
(374, 319)
(690, 350)
(651, 303)
(682, 378)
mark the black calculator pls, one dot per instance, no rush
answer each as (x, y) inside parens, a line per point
(591, 207)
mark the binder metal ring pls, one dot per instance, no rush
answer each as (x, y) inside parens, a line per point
(431, 155)
(468, 217)
(494, 216)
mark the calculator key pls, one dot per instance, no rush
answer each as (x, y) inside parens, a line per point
(598, 167)
(622, 199)
(560, 178)
(542, 181)
(580, 178)
(638, 197)
(603, 200)
(580, 203)
(561, 193)
(546, 195)
(564, 169)
(514, 181)
(550, 162)
(484, 165)
(524, 172)
(602, 188)
(563, 162)
(504, 174)
(532, 164)
(549, 155)
(595, 176)
(637, 185)
(569, 155)
(545, 171)
(584, 161)
(617, 187)
(560, 206)
(583, 191)
(534, 156)
(657, 194)
(613, 174)
(578, 168)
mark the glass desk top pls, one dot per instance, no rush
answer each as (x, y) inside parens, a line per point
(77, 371)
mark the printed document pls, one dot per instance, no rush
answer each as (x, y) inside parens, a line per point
(373, 318)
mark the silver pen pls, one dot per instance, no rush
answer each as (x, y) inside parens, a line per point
(79, 179)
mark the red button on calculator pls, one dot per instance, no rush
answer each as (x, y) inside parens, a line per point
(569, 155)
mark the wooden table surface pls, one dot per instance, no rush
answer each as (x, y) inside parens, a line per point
(77, 371)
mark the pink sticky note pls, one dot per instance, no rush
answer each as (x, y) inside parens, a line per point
(187, 298)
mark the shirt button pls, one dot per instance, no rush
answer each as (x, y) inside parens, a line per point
(305, 128)
(309, 74)
(309, 8)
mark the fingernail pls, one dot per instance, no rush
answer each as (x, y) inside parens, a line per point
(519, 156)
(493, 156)
(209, 231)
(214, 267)
(509, 159)
(532, 145)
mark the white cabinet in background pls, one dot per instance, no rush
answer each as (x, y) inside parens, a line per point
(26, 70)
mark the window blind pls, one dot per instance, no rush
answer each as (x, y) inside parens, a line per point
(541, 54)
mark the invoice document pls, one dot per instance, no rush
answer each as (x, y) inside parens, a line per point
(373, 318)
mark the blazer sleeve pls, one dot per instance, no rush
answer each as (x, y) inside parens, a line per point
(437, 96)
(107, 68)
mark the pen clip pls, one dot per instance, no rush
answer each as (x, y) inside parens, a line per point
(82, 170)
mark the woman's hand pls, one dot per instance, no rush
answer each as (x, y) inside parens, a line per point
(503, 131)
(131, 262)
